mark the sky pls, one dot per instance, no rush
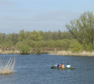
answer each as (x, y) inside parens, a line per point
(40, 15)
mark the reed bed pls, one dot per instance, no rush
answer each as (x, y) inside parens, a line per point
(83, 53)
(7, 67)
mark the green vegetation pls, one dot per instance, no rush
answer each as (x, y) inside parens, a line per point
(79, 37)
(22, 47)
(82, 30)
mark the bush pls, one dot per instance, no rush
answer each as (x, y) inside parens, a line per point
(75, 46)
(23, 48)
(89, 47)
(66, 44)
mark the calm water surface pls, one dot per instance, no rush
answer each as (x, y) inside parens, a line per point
(36, 69)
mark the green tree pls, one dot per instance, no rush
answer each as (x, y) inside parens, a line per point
(75, 46)
(27, 34)
(55, 36)
(21, 35)
(22, 47)
(59, 34)
(35, 36)
(1, 40)
(83, 29)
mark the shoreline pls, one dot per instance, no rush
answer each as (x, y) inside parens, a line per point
(10, 52)
(69, 53)
(62, 52)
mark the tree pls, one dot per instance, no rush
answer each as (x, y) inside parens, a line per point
(75, 46)
(1, 40)
(23, 47)
(35, 36)
(82, 29)
(21, 35)
(59, 34)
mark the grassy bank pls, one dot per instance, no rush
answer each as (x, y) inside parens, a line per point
(50, 51)
(83, 53)
(31, 51)
(9, 51)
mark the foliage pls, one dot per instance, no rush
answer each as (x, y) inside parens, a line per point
(22, 47)
(35, 36)
(66, 44)
(82, 29)
(80, 36)
(21, 35)
(75, 46)
(89, 47)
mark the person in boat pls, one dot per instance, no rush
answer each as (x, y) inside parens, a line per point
(68, 65)
(62, 65)
(57, 65)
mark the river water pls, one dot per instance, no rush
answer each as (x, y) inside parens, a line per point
(36, 69)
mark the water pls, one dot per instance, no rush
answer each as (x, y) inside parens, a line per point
(6, 67)
(36, 69)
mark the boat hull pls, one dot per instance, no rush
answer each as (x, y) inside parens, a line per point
(71, 68)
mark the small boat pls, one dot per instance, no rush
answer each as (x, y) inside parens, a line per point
(71, 68)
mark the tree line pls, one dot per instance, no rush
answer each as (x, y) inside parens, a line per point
(26, 40)
(80, 36)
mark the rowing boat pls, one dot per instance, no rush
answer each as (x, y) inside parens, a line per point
(71, 68)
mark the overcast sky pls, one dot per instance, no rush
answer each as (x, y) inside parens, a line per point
(40, 15)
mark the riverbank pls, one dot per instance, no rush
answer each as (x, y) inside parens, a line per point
(10, 52)
(62, 52)
(83, 53)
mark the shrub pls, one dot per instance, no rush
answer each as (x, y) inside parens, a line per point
(23, 48)
(75, 46)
